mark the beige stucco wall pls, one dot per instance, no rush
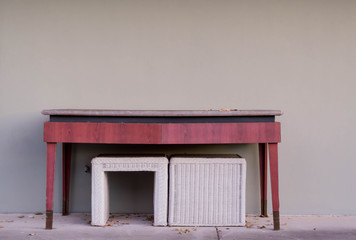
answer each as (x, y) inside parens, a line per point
(297, 56)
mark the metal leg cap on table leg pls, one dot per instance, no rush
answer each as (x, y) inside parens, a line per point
(276, 223)
(264, 208)
(65, 211)
(49, 219)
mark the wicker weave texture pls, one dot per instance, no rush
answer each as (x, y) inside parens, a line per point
(207, 191)
(100, 189)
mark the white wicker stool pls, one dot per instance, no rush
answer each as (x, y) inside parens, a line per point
(207, 190)
(100, 192)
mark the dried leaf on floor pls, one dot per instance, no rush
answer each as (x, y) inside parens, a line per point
(7, 221)
(1, 226)
(224, 109)
(109, 224)
(126, 223)
(31, 234)
(150, 218)
(89, 222)
(183, 230)
(261, 227)
(248, 225)
(21, 216)
(38, 213)
(314, 228)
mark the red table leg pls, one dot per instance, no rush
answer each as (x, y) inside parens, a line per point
(67, 149)
(263, 177)
(51, 162)
(273, 164)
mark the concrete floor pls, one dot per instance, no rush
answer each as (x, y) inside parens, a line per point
(139, 226)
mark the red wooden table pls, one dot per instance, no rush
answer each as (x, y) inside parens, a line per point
(69, 126)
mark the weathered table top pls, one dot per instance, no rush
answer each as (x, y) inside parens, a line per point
(161, 116)
(161, 113)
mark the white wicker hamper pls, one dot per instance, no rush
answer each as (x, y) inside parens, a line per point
(207, 190)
